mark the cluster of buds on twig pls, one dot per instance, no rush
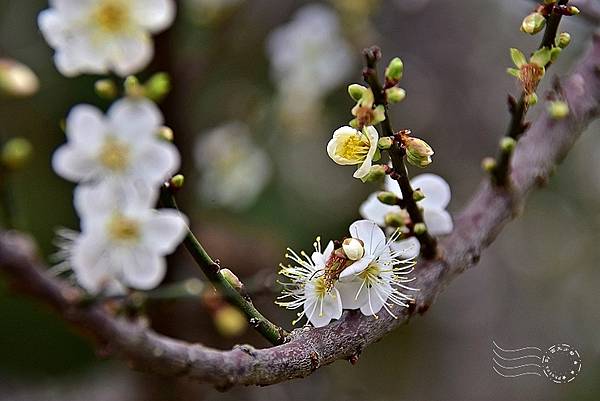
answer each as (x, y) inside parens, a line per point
(536, 21)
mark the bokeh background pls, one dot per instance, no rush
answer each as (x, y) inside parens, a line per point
(269, 184)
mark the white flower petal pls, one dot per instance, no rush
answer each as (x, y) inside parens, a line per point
(51, 25)
(85, 126)
(142, 268)
(154, 15)
(376, 296)
(71, 163)
(320, 314)
(90, 262)
(164, 230)
(349, 293)
(372, 209)
(156, 162)
(391, 185)
(356, 267)
(370, 234)
(328, 250)
(365, 167)
(407, 249)
(438, 221)
(131, 54)
(135, 120)
(436, 190)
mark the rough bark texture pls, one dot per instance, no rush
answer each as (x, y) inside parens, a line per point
(544, 145)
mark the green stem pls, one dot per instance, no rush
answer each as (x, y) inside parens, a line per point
(273, 333)
(397, 153)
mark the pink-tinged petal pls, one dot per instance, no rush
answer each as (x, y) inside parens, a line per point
(372, 209)
(436, 190)
(142, 268)
(438, 221)
(164, 230)
(370, 234)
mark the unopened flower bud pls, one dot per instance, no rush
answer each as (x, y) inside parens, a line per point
(17, 79)
(231, 278)
(507, 144)
(16, 153)
(531, 99)
(418, 195)
(133, 87)
(158, 86)
(488, 164)
(229, 321)
(394, 219)
(388, 198)
(563, 40)
(385, 142)
(572, 10)
(420, 228)
(554, 53)
(533, 23)
(356, 91)
(394, 70)
(558, 109)
(376, 173)
(395, 95)
(353, 248)
(177, 181)
(106, 89)
(418, 152)
(166, 134)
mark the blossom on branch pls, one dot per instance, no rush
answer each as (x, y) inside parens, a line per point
(99, 36)
(353, 147)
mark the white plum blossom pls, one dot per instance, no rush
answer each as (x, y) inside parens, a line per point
(121, 150)
(308, 288)
(437, 219)
(376, 280)
(99, 36)
(234, 170)
(122, 246)
(352, 147)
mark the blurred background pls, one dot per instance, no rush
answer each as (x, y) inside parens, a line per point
(258, 88)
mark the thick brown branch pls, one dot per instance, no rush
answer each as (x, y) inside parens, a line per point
(546, 143)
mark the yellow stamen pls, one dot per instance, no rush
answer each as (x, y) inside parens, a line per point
(112, 15)
(114, 155)
(123, 229)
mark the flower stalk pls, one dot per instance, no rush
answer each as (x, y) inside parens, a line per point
(397, 152)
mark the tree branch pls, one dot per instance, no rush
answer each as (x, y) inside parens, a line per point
(546, 144)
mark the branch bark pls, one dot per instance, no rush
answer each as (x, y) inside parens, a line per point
(546, 143)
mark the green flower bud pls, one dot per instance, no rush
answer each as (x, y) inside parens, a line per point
(518, 57)
(533, 23)
(558, 109)
(106, 89)
(133, 87)
(394, 219)
(488, 164)
(166, 134)
(231, 278)
(388, 198)
(418, 152)
(418, 195)
(420, 228)
(394, 70)
(395, 95)
(554, 53)
(385, 142)
(507, 144)
(356, 91)
(563, 40)
(17, 79)
(16, 153)
(572, 10)
(376, 173)
(158, 86)
(177, 181)
(531, 99)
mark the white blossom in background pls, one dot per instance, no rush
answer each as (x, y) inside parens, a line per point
(437, 196)
(99, 36)
(377, 279)
(308, 288)
(122, 246)
(309, 58)
(234, 170)
(120, 149)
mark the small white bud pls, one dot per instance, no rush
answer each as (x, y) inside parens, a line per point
(353, 248)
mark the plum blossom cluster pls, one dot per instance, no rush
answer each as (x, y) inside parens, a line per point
(119, 162)
(100, 36)
(361, 272)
